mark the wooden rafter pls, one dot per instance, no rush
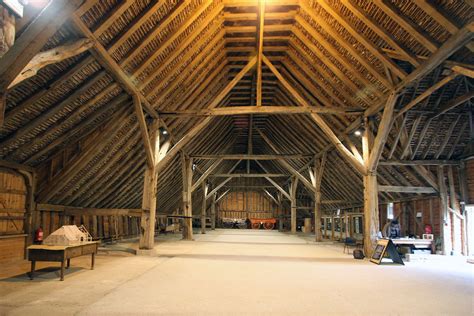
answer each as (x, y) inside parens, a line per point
(456, 41)
(360, 37)
(384, 34)
(318, 119)
(427, 93)
(109, 63)
(412, 28)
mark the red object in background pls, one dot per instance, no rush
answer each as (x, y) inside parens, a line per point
(39, 235)
(268, 223)
(428, 229)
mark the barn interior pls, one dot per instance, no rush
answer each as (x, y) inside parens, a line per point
(218, 155)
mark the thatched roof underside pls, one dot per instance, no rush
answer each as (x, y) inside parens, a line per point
(181, 54)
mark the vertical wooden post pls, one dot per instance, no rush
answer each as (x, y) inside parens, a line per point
(31, 212)
(371, 208)
(316, 180)
(148, 219)
(453, 201)
(294, 185)
(280, 211)
(317, 216)
(444, 227)
(213, 212)
(203, 209)
(187, 173)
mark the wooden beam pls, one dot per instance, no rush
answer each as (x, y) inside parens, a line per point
(222, 195)
(203, 207)
(197, 128)
(271, 196)
(271, 110)
(144, 131)
(293, 188)
(252, 157)
(410, 27)
(213, 211)
(406, 189)
(52, 56)
(286, 165)
(150, 190)
(187, 176)
(206, 174)
(443, 211)
(465, 71)
(276, 185)
(217, 100)
(428, 92)
(218, 187)
(380, 31)
(248, 175)
(181, 143)
(319, 120)
(374, 50)
(214, 190)
(394, 162)
(454, 103)
(171, 37)
(79, 211)
(450, 46)
(16, 166)
(319, 166)
(371, 213)
(382, 133)
(31, 41)
(101, 54)
(434, 11)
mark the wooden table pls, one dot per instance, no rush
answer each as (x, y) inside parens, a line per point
(61, 254)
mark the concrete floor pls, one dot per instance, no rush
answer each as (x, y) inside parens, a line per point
(242, 272)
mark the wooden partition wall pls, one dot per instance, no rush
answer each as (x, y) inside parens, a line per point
(13, 195)
(107, 226)
(243, 205)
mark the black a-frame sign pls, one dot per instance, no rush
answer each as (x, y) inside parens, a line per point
(386, 246)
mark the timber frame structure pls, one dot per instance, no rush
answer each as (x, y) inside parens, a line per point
(122, 104)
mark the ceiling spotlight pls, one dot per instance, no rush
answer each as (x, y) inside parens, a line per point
(358, 133)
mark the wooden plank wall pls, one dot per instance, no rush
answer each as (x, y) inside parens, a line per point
(247, 204)
(13, 193)
(100, 227)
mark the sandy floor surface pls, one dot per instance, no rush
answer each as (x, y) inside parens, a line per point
(241, 272)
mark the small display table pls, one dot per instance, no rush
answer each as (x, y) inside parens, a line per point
(61, 254)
